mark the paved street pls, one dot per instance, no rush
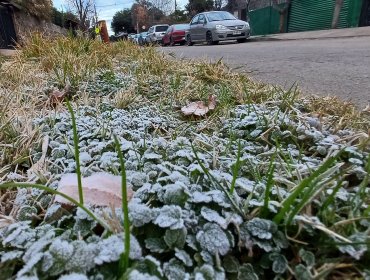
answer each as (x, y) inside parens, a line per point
(327, 66)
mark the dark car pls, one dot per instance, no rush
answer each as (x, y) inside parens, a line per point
(175, 35)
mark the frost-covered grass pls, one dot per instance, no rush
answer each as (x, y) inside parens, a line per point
(268, 185)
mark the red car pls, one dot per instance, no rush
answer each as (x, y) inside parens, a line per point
(175, 35)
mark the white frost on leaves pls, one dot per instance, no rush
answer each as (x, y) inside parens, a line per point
(200, 197)
(136, 275)
(110, 249)
(184, 257)
(169, 217)
(213, 216)
(61, 250)
(141, 214)
(213, 239)
(74, 276)
(11, 256)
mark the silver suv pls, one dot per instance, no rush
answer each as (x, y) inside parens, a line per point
(156, 33)
(212, 27)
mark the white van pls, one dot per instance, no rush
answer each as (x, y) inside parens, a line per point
(156, 33)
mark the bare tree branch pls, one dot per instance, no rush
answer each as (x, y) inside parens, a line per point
(84, 9)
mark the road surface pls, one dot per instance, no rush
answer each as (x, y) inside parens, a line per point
(338, 67)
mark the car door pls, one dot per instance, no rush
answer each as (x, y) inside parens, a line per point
(167, 35)
(150, 35)
(201, 28)
(193, 28)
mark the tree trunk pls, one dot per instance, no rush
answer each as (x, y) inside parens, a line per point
(338, 7)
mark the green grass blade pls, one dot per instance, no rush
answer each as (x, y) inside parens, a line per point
(236, 169)
(269, 183)
(286, 205)
(77, 153)
(330, 199)
(315, 187)
(125, 257)
(209, 175)
(363, 187)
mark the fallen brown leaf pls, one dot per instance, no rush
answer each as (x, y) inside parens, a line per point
(57, 96)
(100, 189)
(199, 108)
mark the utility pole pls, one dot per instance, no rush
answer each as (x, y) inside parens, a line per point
(96, 15)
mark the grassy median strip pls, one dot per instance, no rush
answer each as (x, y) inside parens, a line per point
(268, 183)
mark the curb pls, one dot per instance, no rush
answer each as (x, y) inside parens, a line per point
(267, 39)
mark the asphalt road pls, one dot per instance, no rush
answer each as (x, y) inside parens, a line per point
(338, 67)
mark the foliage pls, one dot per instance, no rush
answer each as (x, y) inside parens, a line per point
(198, 6)
(261, 188)
(122, 21)
(61, 18)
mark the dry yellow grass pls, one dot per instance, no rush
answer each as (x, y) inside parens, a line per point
(26, 80)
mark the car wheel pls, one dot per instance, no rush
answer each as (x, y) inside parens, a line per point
(182, 43)
(188, 40)
(209, 39)
(242, 40)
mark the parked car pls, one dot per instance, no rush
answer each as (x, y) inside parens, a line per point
(142, 38)
(156, 33)
(175, 35)
(131, 36)
(213, 27)
(135, 38)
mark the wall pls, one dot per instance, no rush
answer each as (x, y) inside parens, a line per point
(26, 24)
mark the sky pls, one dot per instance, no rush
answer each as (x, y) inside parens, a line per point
(107, 8)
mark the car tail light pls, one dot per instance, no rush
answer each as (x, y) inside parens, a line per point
(178, 33)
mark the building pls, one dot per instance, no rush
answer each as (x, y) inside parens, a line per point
(269, 17)
(16, 25)
(8, 36)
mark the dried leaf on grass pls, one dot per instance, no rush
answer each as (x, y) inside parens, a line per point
(366, 109)
(100, 189)
(6, 221)
(199, 108)
(39, 166)
(57, 96)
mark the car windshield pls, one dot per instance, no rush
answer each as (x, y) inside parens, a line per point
(161, 28)
(219, 16)
(182, 26)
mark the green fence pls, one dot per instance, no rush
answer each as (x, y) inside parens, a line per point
(305, 15)
(264, 21)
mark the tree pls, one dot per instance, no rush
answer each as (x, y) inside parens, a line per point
(165, 6)
(42, 9)
(282, 8)
(178, 16)
(84, 9)
(139, 15)
(122, 21)
(198, 6)
(60, 18)
(231, 5)
(220, 4)
(337, 8)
